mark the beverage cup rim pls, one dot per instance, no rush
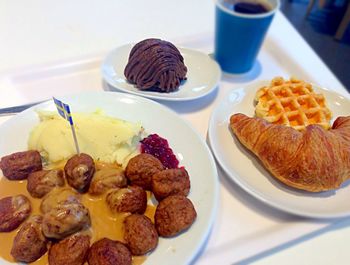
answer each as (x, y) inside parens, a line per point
(249, 16)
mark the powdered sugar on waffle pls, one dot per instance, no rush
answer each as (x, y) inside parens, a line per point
(292, 103)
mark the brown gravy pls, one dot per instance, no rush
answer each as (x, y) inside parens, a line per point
(103, 222)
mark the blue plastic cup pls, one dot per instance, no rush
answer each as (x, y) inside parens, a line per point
(238, 36)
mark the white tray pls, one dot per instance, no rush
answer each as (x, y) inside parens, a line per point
(244, 226)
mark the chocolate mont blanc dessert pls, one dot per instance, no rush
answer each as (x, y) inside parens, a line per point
(156, 65)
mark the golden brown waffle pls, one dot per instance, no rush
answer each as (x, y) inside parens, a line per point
(292, 103)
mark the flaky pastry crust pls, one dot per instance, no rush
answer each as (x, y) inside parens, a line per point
(313, 160)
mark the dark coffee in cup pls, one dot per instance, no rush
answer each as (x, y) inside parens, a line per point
(250, 7)
(239, 33)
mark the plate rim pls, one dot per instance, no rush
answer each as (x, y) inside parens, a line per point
(203, 235)
(232, 175)
(109, 80)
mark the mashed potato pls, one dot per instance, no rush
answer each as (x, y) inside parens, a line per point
(104, 138)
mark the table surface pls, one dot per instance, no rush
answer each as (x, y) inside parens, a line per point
(42, 32)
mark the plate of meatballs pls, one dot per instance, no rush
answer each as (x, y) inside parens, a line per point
(157, 209)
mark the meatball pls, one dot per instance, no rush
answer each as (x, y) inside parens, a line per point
(132, 199)
(141, 168)
(72, 250)
(79, 170)
(57, 196)
(29, 244)
(18, 166)
(140, 234)
(13, 211)
(109, 252)
(106, 179)
(173, 215)
(65, 219)
(41, 182)
(170, 182)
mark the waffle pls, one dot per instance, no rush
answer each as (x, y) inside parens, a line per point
(292, 103)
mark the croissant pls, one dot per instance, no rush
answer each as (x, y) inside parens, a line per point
(313, 160)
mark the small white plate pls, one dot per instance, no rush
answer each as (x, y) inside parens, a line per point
(245, 169)
(203, 75)
(188, 146)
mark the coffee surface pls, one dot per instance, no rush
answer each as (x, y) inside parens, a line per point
(251, 8)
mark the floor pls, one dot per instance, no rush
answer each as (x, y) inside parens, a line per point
(318, 30)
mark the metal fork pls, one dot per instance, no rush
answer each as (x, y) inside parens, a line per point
(16, 109)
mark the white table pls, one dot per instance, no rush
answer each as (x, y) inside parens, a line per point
(38, 34)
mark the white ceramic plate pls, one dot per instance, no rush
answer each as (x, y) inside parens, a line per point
(203, 75)
(244, 168)
(188, 146)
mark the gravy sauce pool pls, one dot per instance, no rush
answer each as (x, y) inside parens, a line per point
(103, 222)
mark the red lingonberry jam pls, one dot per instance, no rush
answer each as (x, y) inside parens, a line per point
(159, 147)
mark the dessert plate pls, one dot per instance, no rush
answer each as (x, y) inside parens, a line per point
(181, 249)
(245, 169)
(203, 75)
